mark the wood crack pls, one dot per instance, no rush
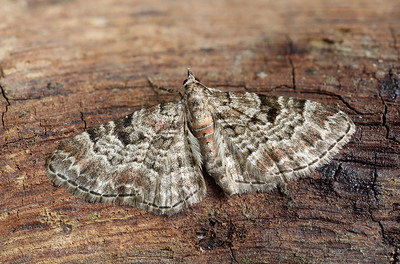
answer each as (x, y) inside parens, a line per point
(384, 120)
(83, 120)
(396, 256)
(3, 93)
(289, 54)
(233, 255)
(363, 162)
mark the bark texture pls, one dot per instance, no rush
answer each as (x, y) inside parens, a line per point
(70, 65)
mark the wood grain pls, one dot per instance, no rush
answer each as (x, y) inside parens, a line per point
(71, 65)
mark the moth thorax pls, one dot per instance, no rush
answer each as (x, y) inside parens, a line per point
(198, 108)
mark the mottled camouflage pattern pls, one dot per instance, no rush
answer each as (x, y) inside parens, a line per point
(153, 158)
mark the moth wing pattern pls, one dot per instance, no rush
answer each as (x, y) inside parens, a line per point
(153, 158)
(267, 140)
(144, 160)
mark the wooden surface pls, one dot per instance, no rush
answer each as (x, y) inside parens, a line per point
(71, 65)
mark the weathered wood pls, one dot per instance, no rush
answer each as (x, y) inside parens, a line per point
(70, 65)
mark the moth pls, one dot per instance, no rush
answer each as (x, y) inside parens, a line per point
(154, 158)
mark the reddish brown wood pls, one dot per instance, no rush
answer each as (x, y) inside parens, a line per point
(70, 65)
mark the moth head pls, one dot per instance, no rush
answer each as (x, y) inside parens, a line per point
(191, 84)
(190, 79)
